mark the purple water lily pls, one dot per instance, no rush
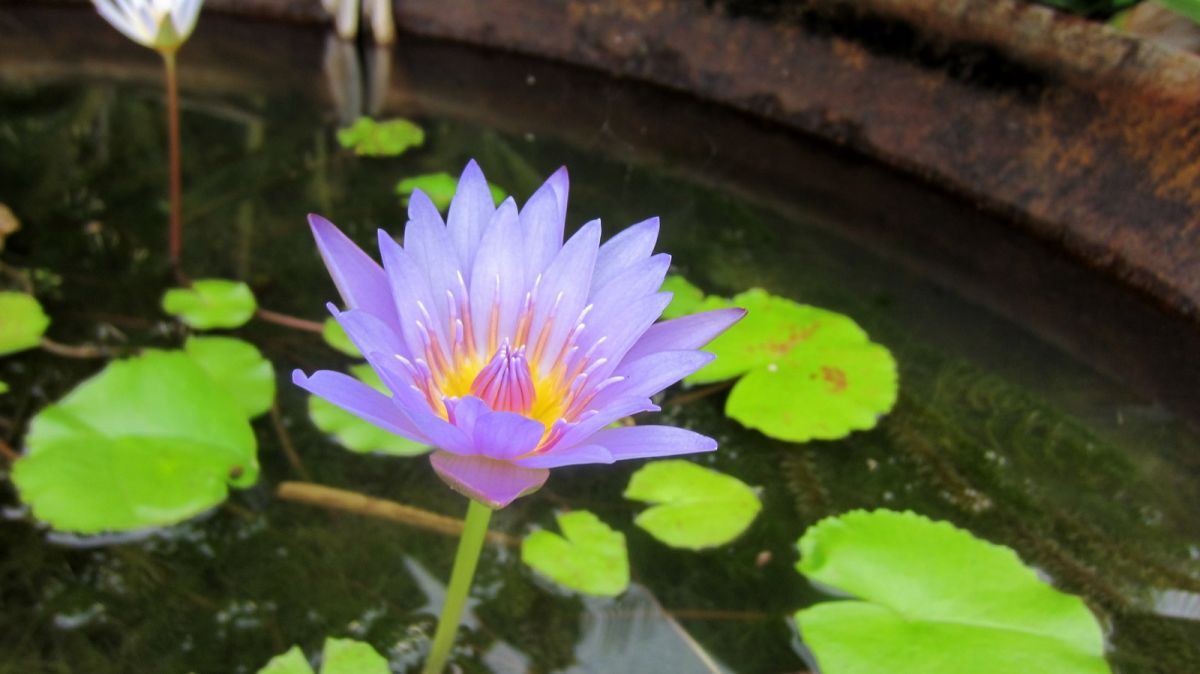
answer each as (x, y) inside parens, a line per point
(506, 349)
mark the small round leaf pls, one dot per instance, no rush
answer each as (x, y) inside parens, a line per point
(211, 303)
(22, 322)
(589, 557)
(440, 188)
(389, 138)
(148, 441)
(820, 392)
(932, 598)
(695, 507)
(239, 367)
(290, 662)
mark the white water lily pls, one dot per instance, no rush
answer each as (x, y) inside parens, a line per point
(158, 24)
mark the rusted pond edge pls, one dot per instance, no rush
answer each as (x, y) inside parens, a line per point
(1084, 136)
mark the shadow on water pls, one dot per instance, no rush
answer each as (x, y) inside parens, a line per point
(1041, 407)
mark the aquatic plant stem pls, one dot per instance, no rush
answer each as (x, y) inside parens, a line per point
(175, 231)
(465, 561)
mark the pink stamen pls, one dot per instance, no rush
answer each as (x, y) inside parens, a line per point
(506, 383)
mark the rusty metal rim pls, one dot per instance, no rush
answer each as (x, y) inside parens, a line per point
(1084, 136)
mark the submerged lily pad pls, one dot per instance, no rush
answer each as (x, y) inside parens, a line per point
(694, 507)
(352, 432)
(388, 138)
(440, 188)
(809, 373)
(335, 336)
(149, 441)
(238, 367)
(934, 599)
(589, 557)
(22, 322)
(342, 656)
(211, 303)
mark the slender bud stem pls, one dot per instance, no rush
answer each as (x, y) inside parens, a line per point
(465, 561)
(175, 232)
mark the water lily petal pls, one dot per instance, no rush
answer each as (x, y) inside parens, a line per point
(505, 435)
(626, 248)
(572, 456)
(489, 481)
(563, 294)
(470, 211)
(644, 442)
(360, 400)
(360, 280)
(543, 220)
(687, 332)
(498, 285)
(650, 374)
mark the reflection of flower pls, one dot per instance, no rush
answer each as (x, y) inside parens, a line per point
(158, 24)
(508, 350)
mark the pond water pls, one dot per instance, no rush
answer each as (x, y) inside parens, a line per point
(1038, 405)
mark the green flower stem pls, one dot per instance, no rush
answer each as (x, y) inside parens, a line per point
(465, 560)
(175, 233)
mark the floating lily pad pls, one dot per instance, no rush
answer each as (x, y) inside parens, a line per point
(820, 393)
(388, 138)
(809, 373)
(355, 434)
(239, 367)
(211, 303)
(23, 322)
(336, 336)
(774, 327)
(342, 656)
(440, 188)
(934, 599)
(687, 298)
(694, 507)
(290, 662)
(149, 441)
(589, 557)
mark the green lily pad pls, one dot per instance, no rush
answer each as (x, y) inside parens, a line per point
(3, 387)
(23, 322)
(687, 298)
(211, 303)
(388, 138)
(809, 373)
(440, 188)
(342, 656)
(148, 441)
(354, 433)
(934, 599)
(820, 393)
(589, 557)
(774, 327)
(335, 336)
(290, 662)
(694, 507)
(239, 367)
(347, 656)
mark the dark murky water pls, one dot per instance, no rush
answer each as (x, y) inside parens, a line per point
(1032, 411)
